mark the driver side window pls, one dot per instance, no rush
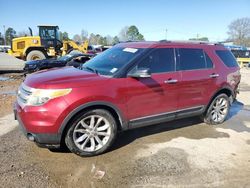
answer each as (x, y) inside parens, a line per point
(48, 33)
(158, 61)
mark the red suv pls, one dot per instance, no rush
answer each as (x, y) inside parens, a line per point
(130, 85)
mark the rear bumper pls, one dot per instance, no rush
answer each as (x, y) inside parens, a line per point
(46, 140)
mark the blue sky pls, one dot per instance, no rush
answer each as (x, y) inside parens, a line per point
(183, 19)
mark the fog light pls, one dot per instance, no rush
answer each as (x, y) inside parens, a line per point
(30, 137)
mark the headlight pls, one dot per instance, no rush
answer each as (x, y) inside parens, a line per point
(41, 96)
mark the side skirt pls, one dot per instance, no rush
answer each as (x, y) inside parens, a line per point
(165, 117)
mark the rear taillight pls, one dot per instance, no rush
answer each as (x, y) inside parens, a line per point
(234, 78)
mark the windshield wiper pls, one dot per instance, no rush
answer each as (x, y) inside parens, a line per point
(91, 69)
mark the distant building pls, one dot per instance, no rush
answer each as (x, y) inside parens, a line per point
(230, 45)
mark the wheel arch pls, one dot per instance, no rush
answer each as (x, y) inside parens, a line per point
(122, 124)
(226, 90)
(31, 48)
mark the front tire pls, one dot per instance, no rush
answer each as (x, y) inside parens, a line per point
(91, 133)
(218, 110)
(35, 55)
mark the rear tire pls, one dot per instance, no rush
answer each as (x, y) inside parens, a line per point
(91, 133)
(217, 111)
(35, 55)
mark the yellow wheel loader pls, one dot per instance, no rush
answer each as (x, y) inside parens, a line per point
(46, 45)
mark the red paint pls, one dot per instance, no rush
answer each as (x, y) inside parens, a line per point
(134, 98)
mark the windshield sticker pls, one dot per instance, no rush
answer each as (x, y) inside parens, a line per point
(113, 70)
(131, 50)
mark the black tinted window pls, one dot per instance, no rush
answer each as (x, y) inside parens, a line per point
(208, 61)
(227, 57)
(191, 59)
(160, 60)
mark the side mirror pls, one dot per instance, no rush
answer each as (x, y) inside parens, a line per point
(140, 73)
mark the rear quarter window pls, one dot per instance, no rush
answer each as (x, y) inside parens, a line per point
(227, 58)
(191, 59)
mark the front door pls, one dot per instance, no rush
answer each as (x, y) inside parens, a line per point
(157, 95)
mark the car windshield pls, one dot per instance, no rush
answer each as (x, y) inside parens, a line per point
(112, 60)
(64, 58)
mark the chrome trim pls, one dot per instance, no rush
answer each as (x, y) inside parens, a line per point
(24, 92)
(214, 75)
(166, 113)
(171, 81)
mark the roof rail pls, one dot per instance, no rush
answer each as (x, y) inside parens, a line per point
(192, 41)
(125, 41)
(165, 40)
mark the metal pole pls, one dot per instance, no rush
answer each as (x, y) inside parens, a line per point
(166, 34)
(197, 36)
(4, 35)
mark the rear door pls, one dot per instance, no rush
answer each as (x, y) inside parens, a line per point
(198, 77)
(157, 94)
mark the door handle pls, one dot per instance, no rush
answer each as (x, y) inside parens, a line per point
(214, 75)
(171, 81)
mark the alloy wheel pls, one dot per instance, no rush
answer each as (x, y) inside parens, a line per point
(219, 110)
(91, 133)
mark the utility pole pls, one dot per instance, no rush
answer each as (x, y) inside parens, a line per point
(166, 34)
(4, 35)
(197, 36)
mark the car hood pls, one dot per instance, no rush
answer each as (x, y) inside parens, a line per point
(67, 77)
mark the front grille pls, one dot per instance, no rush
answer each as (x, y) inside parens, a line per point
(23, 94)
(20, 45)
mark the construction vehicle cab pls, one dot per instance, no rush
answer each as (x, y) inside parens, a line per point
(50, 37)
(46, 45)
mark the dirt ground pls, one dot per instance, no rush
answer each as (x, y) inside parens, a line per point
(183, 153)
(8, 87)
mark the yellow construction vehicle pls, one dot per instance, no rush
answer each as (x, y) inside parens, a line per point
(46, 45)
(242, 56)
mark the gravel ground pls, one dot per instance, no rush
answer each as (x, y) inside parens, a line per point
(8, 87)
(183, 153)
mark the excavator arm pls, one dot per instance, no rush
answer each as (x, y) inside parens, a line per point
(69, 44)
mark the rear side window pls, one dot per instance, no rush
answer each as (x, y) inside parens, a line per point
(191, 59)
(208, 61)
(160, 60)
(227, 58)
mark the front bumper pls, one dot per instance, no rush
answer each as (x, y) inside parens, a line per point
(47, 140)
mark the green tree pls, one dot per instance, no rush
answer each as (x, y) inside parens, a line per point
(115, 40)
(97, 39)
(63, 36)
(103, 41)
(1, 39)
(9, 35)
(92, 38)
(205, 39)
(239, 31)
(133, 34)
(109, 39)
